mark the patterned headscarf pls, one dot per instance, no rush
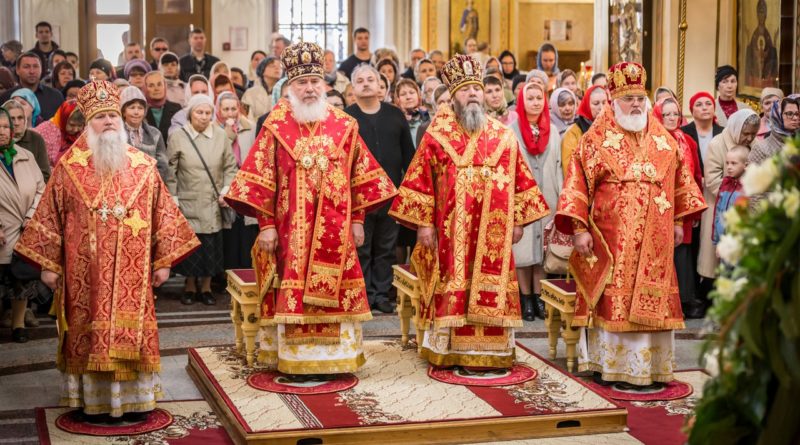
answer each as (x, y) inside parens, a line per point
(776, 118)
(8, 151)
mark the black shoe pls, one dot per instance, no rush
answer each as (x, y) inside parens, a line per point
(188, 298)
(97, 419)
(208, 299)
(598, 378)
(19, 335)
(538, 307)
(625, 386)
(693, 309)
(136, 417)
(527, 307)
(384, 306)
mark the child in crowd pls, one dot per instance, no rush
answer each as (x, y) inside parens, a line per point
(731, 188)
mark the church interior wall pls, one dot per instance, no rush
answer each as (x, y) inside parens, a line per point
(532, 17)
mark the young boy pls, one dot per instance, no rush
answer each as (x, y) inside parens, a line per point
(730, 189)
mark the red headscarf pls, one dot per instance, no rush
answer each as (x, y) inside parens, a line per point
(699, 95)
(585, 108)
(61, 118)
(535, 145)
(237, 150)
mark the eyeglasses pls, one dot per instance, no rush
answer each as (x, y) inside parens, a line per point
(791, 115)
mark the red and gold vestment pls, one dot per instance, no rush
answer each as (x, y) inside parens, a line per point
(105, 237)
(473, 189)
(629, 191)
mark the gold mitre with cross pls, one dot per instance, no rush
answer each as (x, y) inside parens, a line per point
(98, 96)
(303, 59)
(626, 78)
(461, 71)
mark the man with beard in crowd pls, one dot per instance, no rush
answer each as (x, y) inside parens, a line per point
(309, 180)
(625, 195)
(384, 129)
(468, 193)
(106, 232)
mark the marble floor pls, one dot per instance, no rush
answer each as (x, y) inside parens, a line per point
(28, 378)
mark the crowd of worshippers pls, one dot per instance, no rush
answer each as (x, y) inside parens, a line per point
(176, 105)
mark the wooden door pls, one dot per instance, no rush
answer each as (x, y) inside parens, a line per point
(173, 19)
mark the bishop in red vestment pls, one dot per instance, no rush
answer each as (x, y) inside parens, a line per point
(469, 194)
(625, 196)
(309, 179)
(105, 232)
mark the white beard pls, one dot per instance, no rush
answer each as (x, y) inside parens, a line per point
(305, 113)
(630, 122)
(472, 117)
(109, 150)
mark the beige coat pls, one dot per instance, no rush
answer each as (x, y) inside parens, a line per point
(258, 101)
(194, 193)
(18, 198)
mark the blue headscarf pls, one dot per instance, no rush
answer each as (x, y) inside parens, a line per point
(29, 97)
(776, 116)
(547, 47)
(276, 90)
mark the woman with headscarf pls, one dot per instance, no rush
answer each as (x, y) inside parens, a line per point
(784, 123)
(62, 130)
(768, 97)
(664, 92)
(70, 90)
(726, 80)
(547, 61)
(562, 109)
(240, 237)
(593, 102)
(537, 137)
(196, 84)
(28, 99)
(741, 130)
(197, 152)
(258, 98)
(21, 187)
(669, 114)
(508, 65)
(101, 69)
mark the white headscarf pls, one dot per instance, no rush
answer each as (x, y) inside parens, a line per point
(555, 116)
(733, 130)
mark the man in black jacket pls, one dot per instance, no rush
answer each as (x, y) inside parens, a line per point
(29, 73)
(384, 129)
(197, 61)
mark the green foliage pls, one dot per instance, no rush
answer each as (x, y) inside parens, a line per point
(754, 397)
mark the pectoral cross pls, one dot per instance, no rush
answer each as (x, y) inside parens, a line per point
(104, 212)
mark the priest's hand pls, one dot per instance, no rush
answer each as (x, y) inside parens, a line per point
(678, 235)
(517, 234)
(427, 237)
(160, 276)
(583, 243)
(268, 240)
(358, 234)
(49, 278)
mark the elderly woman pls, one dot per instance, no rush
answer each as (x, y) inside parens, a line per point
(704, 126)
(27, 138)
(258, 98)
(143, 136)
(741, 130)
(784, 123)
(62, 130)
(768, 97)
(240, 237)
(562, 109)
(21, 187)
(33, 112)
(593, 102)
(203, 163)
(726, 79)
(537, 137)
(669, 114)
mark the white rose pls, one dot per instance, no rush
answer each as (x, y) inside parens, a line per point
(728, 289)
(789, 150)
(711, 362)
(775, 197)
(758, 178)
(791, 202)
(729, 249)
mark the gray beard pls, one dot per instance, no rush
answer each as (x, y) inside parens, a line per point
(304, 113)
(472, 117)
(109, 150)
(629, 122)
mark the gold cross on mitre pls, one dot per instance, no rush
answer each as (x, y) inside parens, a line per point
(79, 156)
(662, 202)
(612, 139)
(661, 143)
(135, 222)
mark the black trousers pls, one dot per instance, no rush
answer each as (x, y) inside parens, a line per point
(686, 270)
(377, 254)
